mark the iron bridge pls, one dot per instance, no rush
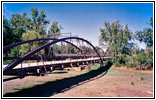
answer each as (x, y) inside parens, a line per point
(34, 62)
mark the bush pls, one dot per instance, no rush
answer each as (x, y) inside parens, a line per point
(117, 62)
(145, 59)
(142, 58)
(149, 62)
(132, 83)
(131, 61)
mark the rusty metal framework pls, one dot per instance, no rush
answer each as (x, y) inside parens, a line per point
(29, 54)
(6, 48)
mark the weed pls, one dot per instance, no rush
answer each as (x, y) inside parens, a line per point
(132, 83)
(141, 78)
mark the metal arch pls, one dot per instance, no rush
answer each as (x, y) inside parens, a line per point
(104, 53)
(101, 49)
(23, 42)
(107, 51)
(12, 65)
(29, 41)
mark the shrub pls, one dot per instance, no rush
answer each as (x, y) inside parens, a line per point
(141, 78)
(132, 83)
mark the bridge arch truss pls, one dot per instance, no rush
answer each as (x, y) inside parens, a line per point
(15, 63)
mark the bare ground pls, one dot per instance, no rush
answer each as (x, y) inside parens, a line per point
(117, 82)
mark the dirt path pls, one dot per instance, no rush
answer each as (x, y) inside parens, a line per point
(117, 82)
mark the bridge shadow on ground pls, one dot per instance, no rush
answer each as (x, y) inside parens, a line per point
(32, 74)
(58, 86)
(11, 78)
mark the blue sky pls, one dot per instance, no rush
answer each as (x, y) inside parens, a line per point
(86, 19)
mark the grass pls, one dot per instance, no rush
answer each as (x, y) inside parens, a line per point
(94, 67)
(118, 72)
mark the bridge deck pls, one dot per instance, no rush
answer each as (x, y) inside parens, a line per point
(60, 62)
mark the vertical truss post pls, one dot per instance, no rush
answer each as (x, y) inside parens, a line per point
(21, 65)
(44, 64)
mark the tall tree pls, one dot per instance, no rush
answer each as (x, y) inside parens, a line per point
(19, 24)
(52, 33)
(146, 35)
(39, 21)
(117, 37)
(39, 24)
(54, 29)
(30, 35)
(8, 37)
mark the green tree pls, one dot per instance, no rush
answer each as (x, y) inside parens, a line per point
(11, 35)
(141, 58)
(19, 28)
(118, 38)
(39, 21)
(8, 37)
(150, 58)
(52, 33)
(56, 49)
(39, 24)
(19, 24)
(54, 29)
(146, 35)
(30, 35)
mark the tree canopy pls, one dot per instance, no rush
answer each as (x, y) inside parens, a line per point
(30, 35)
(117, 37)
(146, 35)
(54, 29)
(20, 27)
